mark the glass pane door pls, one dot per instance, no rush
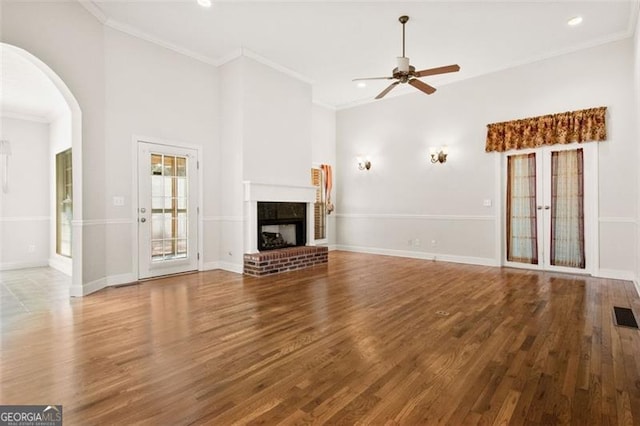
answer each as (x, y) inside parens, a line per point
(549, 201)
(167, 210)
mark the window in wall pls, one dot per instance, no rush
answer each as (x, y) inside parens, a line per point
(319, 206)
(64, 203)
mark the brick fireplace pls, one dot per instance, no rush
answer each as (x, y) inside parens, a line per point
(278, 229)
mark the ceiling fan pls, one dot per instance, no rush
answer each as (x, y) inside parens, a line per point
(405, 73)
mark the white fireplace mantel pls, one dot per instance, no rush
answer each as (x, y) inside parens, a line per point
(254, 192)
(285, 193)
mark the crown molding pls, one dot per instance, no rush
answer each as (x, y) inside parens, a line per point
(247, 53)
(93, 9)
(132, 31)
(276, 66)
(231, 56)
(323, 105)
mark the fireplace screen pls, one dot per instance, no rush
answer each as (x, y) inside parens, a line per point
(281, 225)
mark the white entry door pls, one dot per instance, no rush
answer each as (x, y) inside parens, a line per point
(167, 210)
(551, 205)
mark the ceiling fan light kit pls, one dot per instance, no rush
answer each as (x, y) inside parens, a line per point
(406, 73)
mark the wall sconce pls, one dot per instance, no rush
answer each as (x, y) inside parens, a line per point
(438, 155)
(364, 164)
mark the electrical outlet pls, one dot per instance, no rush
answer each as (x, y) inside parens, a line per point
(416, 242)
(31, 248)
(118, 201)
(434, 243)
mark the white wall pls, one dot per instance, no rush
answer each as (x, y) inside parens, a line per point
(276, 126)
(229, 214)
(323, 151)
(636, 68)
(24, 209)
(153, 92)
(265, 138)
(125, 87)
(70, 41)
(404, 197)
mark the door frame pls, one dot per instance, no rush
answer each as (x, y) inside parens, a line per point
(135, 140)
(591, 223)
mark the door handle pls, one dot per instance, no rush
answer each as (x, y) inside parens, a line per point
(143, 220)
(546, 207)
(539, 207)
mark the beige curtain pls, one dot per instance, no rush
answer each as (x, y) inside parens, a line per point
(567, 209)
(522, 241)
(564, 128)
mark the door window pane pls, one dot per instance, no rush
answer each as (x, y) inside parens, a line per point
(522, 241)
(567, 209)
(169, 202)
(64, 203)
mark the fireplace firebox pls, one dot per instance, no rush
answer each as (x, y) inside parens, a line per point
(281, 225)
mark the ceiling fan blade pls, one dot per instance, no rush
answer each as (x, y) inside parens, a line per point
(438, 70)
(387, 90)
(422, 86)
(373, 78)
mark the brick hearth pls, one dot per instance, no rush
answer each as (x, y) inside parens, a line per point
(282, 260)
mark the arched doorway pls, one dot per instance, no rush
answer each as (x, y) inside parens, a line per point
(75, 114)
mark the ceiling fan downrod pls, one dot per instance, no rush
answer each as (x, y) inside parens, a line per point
(403, 20)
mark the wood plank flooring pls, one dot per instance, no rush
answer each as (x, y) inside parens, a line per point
(367, 339)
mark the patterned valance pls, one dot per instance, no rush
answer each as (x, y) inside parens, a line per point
(567, 127)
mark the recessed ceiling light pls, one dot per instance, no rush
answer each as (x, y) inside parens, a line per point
(361, 84)
(204, 3)
(576, 20)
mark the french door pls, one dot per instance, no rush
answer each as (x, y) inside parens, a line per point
(549, 200)
(167, 210)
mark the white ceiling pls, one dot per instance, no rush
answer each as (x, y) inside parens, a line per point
(331, 42)
(328, 43)
(25, 91)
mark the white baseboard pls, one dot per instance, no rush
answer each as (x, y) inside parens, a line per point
(8, 266)
(636, 284)
(615, 274)
(421, 255)
(333, 247)
(231, 267)
(88, 288)
(76, 291)
(120, 279)
(210, 266)
(63, 265)
(115, 280)
(99, 284)
(225, 266)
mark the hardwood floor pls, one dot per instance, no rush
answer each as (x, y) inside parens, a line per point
(368, 339)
